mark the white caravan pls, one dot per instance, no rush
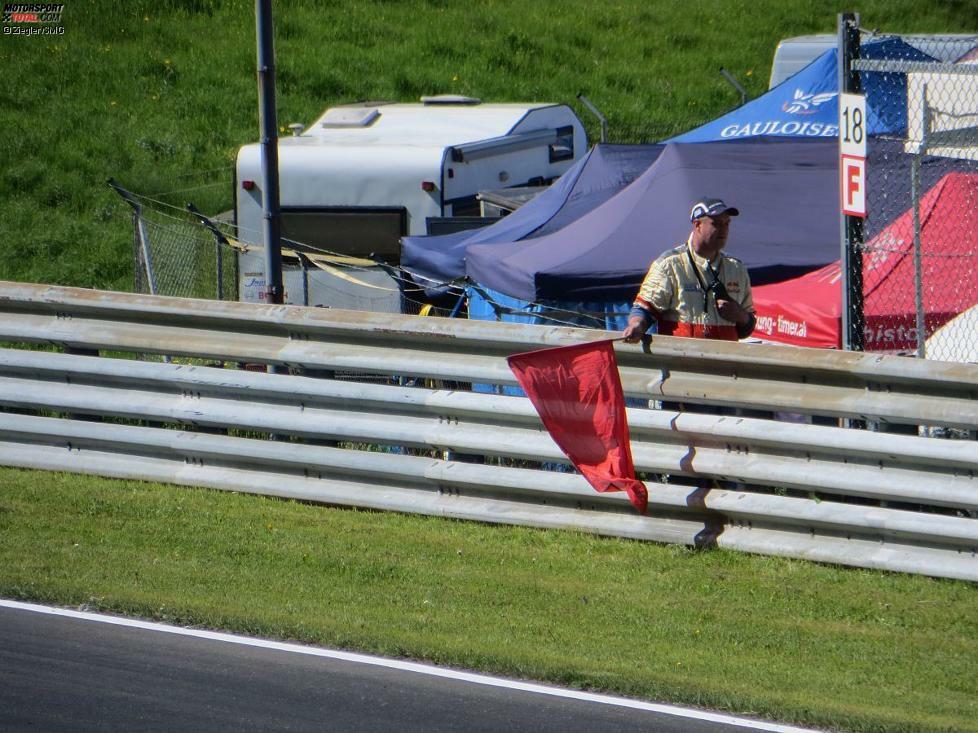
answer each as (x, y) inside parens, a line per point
(364, 175)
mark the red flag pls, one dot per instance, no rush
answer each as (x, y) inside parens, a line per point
(577, 393)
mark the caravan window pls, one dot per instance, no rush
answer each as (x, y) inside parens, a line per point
(350, 231)
(563, 147)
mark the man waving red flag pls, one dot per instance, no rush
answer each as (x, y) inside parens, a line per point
(577, 392)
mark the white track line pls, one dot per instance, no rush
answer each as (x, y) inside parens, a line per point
(402, 665)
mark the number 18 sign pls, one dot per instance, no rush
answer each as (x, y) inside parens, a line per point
(852, 154)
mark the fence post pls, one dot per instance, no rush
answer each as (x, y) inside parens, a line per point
(851, 264)
(137, 212)
(219, 241)
(918, 266)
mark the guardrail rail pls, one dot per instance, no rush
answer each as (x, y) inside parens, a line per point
(886, 498)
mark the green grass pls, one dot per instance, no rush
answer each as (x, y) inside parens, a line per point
(790, 640)
(160, 95)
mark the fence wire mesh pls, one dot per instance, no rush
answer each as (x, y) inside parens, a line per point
(176, 256)
(920, 237)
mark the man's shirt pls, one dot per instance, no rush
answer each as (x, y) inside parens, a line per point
(679, 285)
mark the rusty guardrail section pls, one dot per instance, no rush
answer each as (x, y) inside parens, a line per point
(858, 497)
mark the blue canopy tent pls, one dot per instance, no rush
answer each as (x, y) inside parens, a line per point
(807, 104)
(584, 245)
(786, 190)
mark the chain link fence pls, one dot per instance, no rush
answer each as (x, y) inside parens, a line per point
(181, 254)
(181, 259)
(920, 237)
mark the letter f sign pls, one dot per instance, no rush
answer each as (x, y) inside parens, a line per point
(853, 188)
(853, 179)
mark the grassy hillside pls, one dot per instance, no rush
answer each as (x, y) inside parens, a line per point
(159, 95)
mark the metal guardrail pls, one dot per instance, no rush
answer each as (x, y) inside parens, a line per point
(857, 497)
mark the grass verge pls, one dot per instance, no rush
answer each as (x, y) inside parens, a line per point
(789, 640)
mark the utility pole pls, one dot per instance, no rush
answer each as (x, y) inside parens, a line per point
(272, 227)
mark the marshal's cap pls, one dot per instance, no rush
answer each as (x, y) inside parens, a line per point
(711, 207)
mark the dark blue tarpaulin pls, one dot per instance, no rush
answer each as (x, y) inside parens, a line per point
(602, 172)
(807, 103)
(786, 190)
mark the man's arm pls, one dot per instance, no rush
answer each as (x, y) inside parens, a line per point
(639, 321)
(656, 287)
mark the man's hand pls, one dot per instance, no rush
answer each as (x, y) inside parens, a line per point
(733, 311)
(635, 329)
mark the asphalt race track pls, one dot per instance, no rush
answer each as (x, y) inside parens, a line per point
(84, 672)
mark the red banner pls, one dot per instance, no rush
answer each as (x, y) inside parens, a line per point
(577, 392)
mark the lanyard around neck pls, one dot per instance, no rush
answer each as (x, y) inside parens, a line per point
(715, 274)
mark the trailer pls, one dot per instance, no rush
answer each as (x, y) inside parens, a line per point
(794, 54)
(364, 175)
